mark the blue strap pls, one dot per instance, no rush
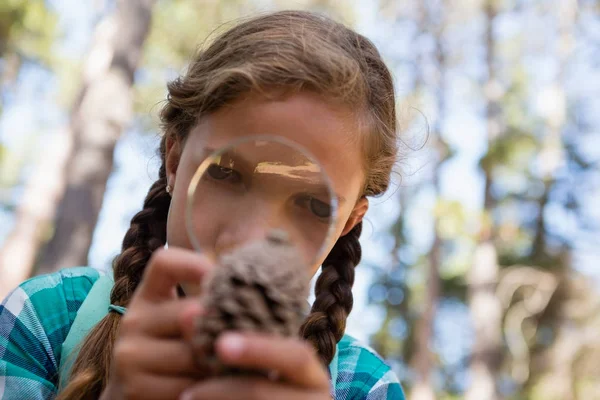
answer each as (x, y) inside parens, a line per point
(117, 309)
(92, 310)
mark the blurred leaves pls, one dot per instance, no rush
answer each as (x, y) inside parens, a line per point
(537, 162)
(543, 168)
(512, 152)
(27, 29)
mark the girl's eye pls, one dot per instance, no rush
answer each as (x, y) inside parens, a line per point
(320, 208)
(219, 173)
(317, 207)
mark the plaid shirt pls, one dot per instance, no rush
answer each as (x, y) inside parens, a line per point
(36, 317)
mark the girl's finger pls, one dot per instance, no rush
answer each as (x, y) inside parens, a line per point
(248, 389)
(167, 319)
(159, 357)
(155, 387)
(295, 361)
(166, 269)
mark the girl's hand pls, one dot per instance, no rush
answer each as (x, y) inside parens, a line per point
(300, 373)
(151, 360)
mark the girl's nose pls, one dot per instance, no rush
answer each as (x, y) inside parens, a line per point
(253, 225)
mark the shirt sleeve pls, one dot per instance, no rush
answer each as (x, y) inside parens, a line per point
(386, 388)
(34, 321)
(364, 375)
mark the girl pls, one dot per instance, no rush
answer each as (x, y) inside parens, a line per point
(296, 74)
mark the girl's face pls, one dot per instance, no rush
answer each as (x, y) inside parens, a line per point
(330, 132)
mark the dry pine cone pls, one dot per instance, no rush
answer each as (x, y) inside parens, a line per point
(260, 287)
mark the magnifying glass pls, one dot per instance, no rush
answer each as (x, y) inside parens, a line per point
(261, 187)
(264, 210)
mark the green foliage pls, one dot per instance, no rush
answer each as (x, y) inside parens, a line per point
(27, 28)
(513, 151)
(525, 162)
(27, 32)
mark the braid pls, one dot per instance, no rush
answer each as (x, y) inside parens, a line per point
(146, 233)
(326, 324)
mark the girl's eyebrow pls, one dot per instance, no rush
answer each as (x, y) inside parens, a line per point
(206, 151)
(238, 159)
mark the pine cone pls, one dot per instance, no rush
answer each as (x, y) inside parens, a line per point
(261, 287)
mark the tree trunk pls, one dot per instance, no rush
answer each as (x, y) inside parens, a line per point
(34, 216)
(560, 379)
(422, 361)
(485, 307)
(100, 115)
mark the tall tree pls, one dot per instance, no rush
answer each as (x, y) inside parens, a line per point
(27, 31)
(556, 368)
(101, 112)
(486, 312)
(33, 216)
(433, 22)
(532, 312)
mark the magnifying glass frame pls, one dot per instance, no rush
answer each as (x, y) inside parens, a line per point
(202, 168)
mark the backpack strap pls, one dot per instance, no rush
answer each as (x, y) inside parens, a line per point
(92, 310)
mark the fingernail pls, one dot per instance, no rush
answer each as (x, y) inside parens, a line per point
(185, 396)
(233, 344)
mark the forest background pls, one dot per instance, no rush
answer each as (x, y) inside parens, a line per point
(481, 270)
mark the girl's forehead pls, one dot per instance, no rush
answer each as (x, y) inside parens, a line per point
(331, 132)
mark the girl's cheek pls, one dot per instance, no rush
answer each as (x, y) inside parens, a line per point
(176, 227)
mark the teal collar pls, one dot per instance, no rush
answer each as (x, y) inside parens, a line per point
(92, 310)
